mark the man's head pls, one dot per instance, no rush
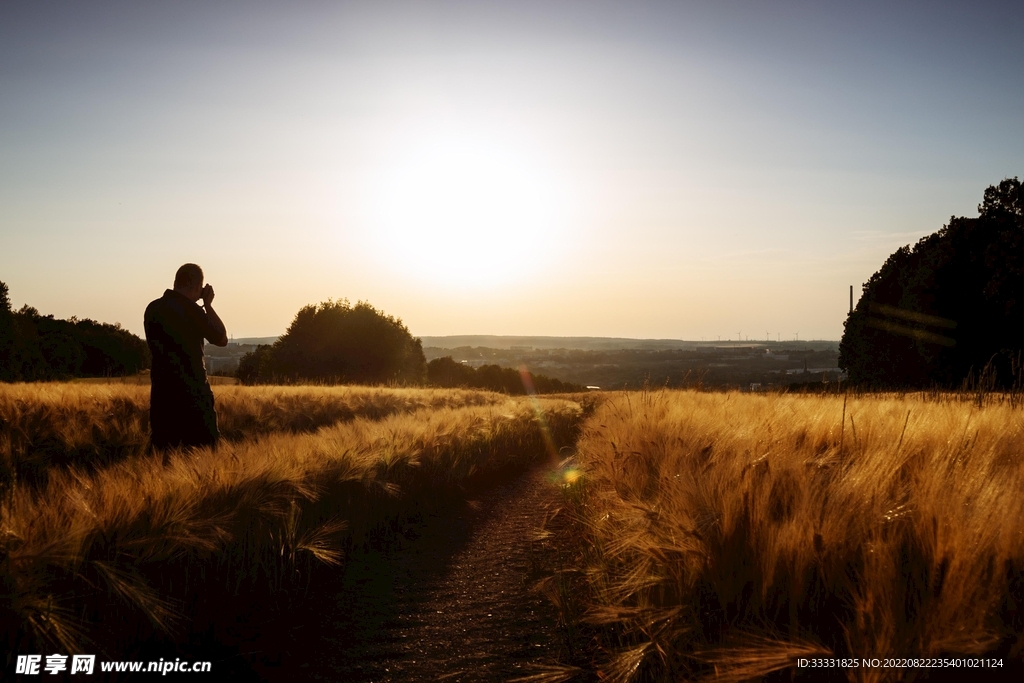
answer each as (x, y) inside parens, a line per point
(189, 281)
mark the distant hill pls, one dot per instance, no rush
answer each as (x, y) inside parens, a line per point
(491, 341)
(254, 340)
(495, 341)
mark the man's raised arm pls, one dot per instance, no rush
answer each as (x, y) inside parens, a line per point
(220, 333)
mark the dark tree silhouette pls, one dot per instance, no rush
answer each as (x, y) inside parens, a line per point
(255, 365)
(6, 336)
(949, 309)
(446, 372)
(335, 342)
(41, 347)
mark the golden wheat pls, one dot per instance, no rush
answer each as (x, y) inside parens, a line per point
(724, 535)
(127, 543)
(43, 425)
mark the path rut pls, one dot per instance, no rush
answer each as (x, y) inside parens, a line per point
(453, 603)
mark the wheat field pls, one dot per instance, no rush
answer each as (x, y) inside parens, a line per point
(708, 536)
(93, 425)
(95, 559)
(721, 536)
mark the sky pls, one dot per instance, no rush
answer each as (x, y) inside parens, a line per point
(685, 170)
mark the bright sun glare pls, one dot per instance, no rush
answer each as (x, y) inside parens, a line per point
(466, 210)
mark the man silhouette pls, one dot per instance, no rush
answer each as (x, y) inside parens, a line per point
(181, 411)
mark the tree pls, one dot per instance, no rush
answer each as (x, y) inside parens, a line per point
(110, 350)
(27, 360)
(948, 309)
(255, 365)
(7, 373)
(338, 342)
(1004, 198)
(41, 347)
(446, 372)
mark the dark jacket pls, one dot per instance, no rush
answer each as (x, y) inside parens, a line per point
(181, 401)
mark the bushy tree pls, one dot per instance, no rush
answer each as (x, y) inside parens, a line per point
(446, 372)
(336, 342)
(255, 365)
(948, 309)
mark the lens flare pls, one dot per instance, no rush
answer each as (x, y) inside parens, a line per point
(549, 442)
(570, 474)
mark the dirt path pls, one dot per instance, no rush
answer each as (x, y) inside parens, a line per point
(453, 603)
